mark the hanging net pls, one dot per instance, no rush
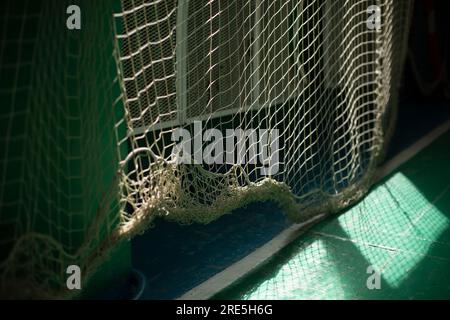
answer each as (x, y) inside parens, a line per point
(184, 110)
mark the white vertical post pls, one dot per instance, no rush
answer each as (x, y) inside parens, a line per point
(181, 58)
(330, 30)
(256, 55)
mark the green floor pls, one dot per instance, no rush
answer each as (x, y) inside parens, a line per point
(402, 229)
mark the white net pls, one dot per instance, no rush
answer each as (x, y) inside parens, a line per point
(186, 110)
(281, 100)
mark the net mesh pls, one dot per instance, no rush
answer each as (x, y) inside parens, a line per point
(291, 101)
(312, 70)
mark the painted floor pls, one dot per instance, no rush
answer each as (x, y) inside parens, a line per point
(399, 233)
